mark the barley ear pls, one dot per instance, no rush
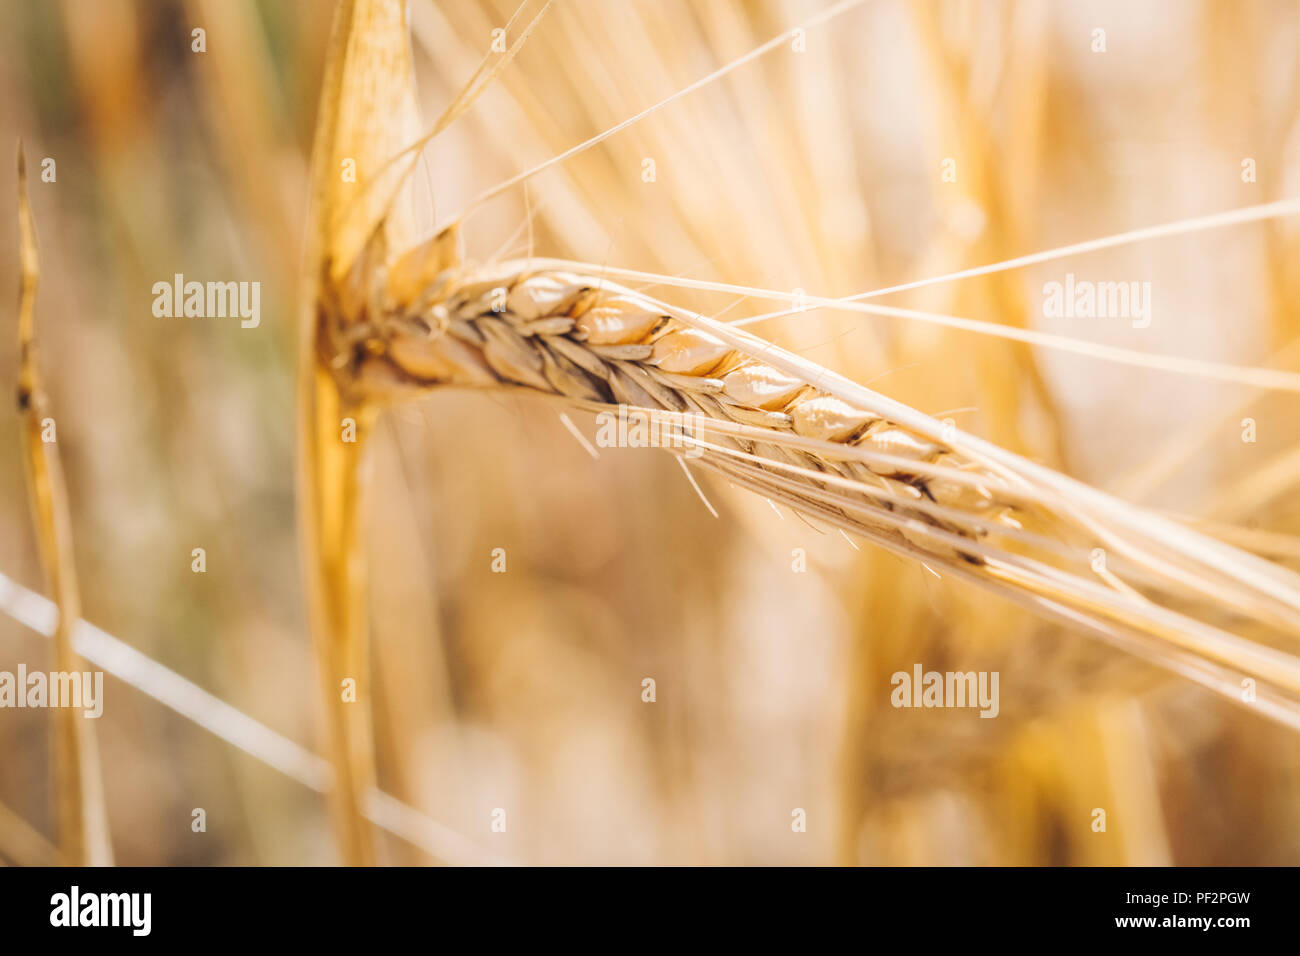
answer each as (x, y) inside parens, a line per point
(82, 816)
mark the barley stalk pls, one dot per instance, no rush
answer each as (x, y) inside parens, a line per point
(367, 113)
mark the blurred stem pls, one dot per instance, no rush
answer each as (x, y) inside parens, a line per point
(334, 559)
(966, 124)
(82, 816)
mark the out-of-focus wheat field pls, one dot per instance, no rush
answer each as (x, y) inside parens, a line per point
(822, 169)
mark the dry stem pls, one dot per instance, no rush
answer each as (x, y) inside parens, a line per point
(82, 816)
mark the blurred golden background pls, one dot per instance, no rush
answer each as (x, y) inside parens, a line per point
(820, 169)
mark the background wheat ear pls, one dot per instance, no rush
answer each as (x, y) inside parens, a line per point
(82, 815)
